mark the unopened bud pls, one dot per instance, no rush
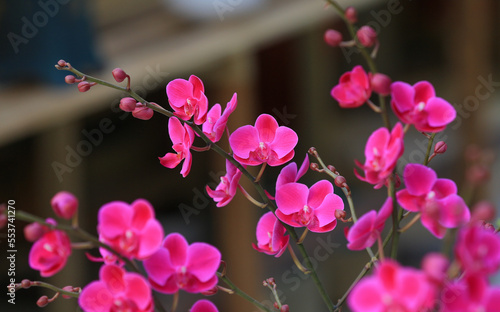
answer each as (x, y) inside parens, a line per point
(340, 214)
(68, 288)
(34, 231)
(70, 79)
(340, 181)
(312, 151)
(314, 166)
(484, 211)
(61, 63)
(332, 169)
(84, 86)
(440, 147)
(128, 104)
(43, 301)
(366, 36)
(64, 204)
(351, 14)
(25, 283)
(271, 281)
(284, 308)
(381, 84)
(119, 74)
(142, 112)
(211, 291)
(332, 37)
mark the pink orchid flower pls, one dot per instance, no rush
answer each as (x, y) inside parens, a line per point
(266, 142)
(64, 204)
(177, 265)
(203, 305)
(290, 174)
(419, 106)
(436, 199)
(226, 190)
(271, 238)
(215, 124)
(116, 290)
(470, 293)
(183, 138)
(187, 99)
(353, 89)
(132, 230)
(313, 208)
(382, 152)
(50, 253)
(368, 227)
(392, 288)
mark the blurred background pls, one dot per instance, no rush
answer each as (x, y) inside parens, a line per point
(272, 53)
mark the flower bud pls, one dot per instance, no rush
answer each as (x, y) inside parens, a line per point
(340, 214)
(440, 147)
(435, 265)
(61, 63)
(340, 181)
(68, 288)
(128, 104)
(33, 231)
(43, 301)
(142, 112)
(351, 14)
(381, 83)
(84, 86)
(211, 291)
(25, 283)
(64, 204)
(366, 36)
(70, 79)
(332, 37)
(483, 211)
(119, 74)
(284, 308)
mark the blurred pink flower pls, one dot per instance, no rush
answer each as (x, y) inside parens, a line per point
(215, 124)
(131, 230)
(203, 305)
(419, 106)
(225, 191)
(177, 265)
(353, 89)
(313, 208)
(368, 227)
(187, 99)
(470, 293)
(116, 290)
(50, 253)
(436, 199)
(64, 204)
(382, 152)
(182, 137)
(266, 142)
(270, 234)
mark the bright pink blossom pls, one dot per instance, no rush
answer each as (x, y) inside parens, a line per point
(478, 250)
(368, 227)
(116, 290)
(266, 142)
(354, 88)
(382, 152)
(419, 106)
(392, 288)
(132, 230)
(177, 265)
(50, 253)
(187, 99)
(203, 305)
(436, 199)
(470, 294)
(215, 124)
(225, 191)
(182, 137)
(64, 204)
(290, 173)
(271, 238)
(313, 208)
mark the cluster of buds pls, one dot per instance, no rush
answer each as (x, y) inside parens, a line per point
(139, 110)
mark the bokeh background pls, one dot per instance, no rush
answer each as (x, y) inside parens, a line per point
(272, 53)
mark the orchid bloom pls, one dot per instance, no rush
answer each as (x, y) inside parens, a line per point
(354, 88)
(203, 305)
(290, 173)
(177, 265)
(187, 99)
(226, 190)
(419, 106)
(382, 152)
(270, 234)
(116, 290)
(266, 142)
(50, 253)
(182, 137)
(368, 227)
(215, 124)
(470, 293)
(132, 230)
(313, 208)
(436, 199)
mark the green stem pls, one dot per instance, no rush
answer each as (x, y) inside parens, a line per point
(242, 294)
(429, 148)
(51, 287)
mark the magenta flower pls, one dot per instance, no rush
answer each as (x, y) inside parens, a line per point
(177, 265)
(382, 152)
(313, 208)
(436, 199)
(203, 305)
(215, 124)
(290, 174)
(265, 143)
(392, 288)
(225, 191)
(50, 253)
(470, 293)
(368, 227)
(187, 99)
(64, 204)
(478, 250)
(271, 238)
(131, 230)
(353, 89)
(419, 106)
(182, 137)
(116, 290)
